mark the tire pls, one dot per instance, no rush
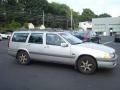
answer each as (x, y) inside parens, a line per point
(23, 58)
(98, 42)
(115, 40)
(86, 65)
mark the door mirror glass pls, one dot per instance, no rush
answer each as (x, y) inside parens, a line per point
(64, 44)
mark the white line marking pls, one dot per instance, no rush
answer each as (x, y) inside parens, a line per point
(107, 42)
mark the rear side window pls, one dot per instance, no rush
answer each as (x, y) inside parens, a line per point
(20, 37)
(36, 38)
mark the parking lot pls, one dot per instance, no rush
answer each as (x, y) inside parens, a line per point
(49, 76)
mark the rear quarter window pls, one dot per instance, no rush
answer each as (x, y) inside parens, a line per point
(20, 37)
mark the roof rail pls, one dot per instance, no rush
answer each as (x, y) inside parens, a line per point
(47, 29)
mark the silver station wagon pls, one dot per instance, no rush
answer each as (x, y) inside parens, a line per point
(60, 47)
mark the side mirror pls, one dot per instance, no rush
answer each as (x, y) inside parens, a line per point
(64, 45)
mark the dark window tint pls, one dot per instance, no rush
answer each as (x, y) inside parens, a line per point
(36, 38)
(53, 39)
(20, 37)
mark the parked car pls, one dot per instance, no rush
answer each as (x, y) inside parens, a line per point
(5, 35)
(87, 36)
(0, 37)
(8, 34)
(60, 47)
(117, 37)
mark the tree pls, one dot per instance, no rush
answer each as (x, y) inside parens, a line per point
(87, 15)
(64, 15)
(33, 8)
(59, 9)
(56, 15)
(104, 15)
(14, 25)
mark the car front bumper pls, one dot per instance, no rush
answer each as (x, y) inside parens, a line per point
(107, 63)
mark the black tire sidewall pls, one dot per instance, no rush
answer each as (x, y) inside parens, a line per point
(98, 41)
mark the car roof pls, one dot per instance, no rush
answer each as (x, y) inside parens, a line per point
(39, 31)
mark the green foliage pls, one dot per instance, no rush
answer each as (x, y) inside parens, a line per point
(59, 9)
(104, 15)
(25, 25)
(14, 14)
(14, 25)
(87, 15)
(1, 28)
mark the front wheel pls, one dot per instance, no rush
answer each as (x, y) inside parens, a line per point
(23, 58)
(86, 65)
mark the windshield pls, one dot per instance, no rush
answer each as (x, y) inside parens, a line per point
(81, 33)
(70, 38)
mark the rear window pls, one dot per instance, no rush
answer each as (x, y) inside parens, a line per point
(20, 37)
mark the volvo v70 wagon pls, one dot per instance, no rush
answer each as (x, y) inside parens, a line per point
(60, 47)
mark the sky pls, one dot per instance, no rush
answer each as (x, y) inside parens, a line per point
(111, 7)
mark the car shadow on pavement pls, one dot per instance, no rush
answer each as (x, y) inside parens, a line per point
(105, 71)
(69, 67)
(51, 64)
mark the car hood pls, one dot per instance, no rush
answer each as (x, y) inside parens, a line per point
(98, 47)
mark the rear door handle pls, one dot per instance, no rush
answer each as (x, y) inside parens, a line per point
(46, 46)
(28, 44)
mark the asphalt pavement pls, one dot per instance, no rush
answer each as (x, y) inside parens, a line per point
(49, 76)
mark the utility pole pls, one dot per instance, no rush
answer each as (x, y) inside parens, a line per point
(43, 18)
(67, 23)
(71, 20)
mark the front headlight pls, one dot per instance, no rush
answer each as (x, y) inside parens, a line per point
(109, 55)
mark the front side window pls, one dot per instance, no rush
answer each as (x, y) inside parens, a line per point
(36, 38)
(54, 39)
(20, 37)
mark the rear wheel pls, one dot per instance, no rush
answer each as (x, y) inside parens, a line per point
(98, 41)
(23, 58)
(116, 40)
(86, 65)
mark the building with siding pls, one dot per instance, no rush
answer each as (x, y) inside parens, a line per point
(106, 26)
